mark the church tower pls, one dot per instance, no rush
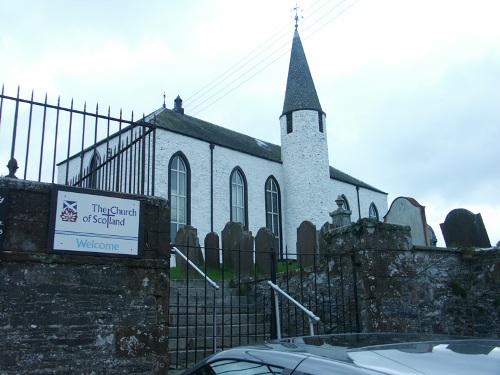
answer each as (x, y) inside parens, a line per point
(304, 150)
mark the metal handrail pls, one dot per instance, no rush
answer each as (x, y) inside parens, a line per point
(214, 285)
(312, 318)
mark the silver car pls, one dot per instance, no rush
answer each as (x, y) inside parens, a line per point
(367, 354)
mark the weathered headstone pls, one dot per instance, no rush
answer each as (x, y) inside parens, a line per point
(244, 265)
(321, 237)
(306, 244)
(431, 236)
(407, 211)
(265, 242)
(212, 251)
(230, 236)
(187, 242)
(462, 228)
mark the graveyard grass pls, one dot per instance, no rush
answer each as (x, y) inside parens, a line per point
(177, 274)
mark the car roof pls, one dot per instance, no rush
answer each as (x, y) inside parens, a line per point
(374, 353)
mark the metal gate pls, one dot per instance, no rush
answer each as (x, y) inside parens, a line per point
(242, 307)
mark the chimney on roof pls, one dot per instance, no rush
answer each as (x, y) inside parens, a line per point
(178, 105)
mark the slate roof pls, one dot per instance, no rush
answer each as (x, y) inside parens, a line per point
(300, 90)
(336, 174)
(205, 131)
(219, 136)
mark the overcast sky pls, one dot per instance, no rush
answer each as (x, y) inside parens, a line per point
(411, 88)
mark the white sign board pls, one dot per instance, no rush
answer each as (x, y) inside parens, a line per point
(96, 224)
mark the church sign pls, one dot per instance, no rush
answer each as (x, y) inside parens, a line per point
(84, 221)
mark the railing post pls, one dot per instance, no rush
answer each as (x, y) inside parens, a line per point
(274, 308)
(355, 291)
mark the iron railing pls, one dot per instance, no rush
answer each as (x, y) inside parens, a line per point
(312, 318)
(51, 143)
(211, 282)
(245, 305)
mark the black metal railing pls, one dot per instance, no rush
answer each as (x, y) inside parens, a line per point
(51, 143)
(244, 304)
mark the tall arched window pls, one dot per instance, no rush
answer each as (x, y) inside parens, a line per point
(178, 194)
(93, 172)
(273, 210)
(238, 197)
(373, 212)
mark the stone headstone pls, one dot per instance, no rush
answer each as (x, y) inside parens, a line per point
(462, 228)
(306, 244)
(244, 264)
(321, 237)
(431, 236)
(187, 242)
(265, 242)
(407, 211)
(212, 251)
(230, 237)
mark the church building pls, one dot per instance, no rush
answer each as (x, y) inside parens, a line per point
(212, 175)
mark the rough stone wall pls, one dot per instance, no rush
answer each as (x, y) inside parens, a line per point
(62, 313)
(373, 280)
(419, 289)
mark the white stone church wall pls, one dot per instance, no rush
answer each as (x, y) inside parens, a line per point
(197, 153)
(366, 197)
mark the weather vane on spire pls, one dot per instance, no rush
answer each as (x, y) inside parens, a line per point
(296, 9)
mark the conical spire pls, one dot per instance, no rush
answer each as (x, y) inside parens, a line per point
(300, 91)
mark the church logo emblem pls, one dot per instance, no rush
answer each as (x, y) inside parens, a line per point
(70, 211)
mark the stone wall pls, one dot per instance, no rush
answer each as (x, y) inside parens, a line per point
(62, 313)
(419, 289)
(372, 279)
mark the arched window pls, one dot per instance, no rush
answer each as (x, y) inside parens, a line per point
(373, 212)
(178, 194)
(345, 206)
(93, 172)
(273, 210)
(238, 197)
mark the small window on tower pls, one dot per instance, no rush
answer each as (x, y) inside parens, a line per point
(289, 125)
(320, 118)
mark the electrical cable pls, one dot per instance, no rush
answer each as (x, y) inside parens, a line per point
(227, 87)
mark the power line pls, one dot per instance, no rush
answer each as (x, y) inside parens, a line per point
(218, 81)
(215, 83)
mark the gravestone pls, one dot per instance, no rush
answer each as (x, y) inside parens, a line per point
(306, 244)
(462, 228)
(188, 244)
(230, 237)
(407, 211)
(265, 242)
(244, 265)
(321, 240)
(431, 236)
(212, 251)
